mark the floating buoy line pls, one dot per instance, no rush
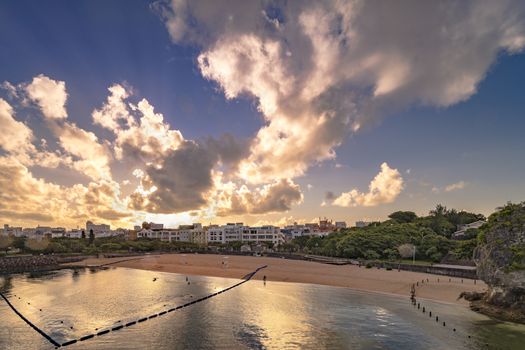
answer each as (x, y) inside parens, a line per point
(55, 343)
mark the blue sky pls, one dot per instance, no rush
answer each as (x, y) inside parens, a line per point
(475, 140)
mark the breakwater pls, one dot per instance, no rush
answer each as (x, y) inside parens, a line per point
(51, 337)
(14, 264)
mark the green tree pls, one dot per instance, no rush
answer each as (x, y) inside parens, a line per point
(83, 234)
(403, 216)
(5, 243)
(91, 237)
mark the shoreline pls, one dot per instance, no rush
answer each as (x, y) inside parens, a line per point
(381, 281)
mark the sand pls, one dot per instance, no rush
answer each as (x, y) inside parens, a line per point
(284, 270)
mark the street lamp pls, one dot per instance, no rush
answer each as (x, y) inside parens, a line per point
(414, 252)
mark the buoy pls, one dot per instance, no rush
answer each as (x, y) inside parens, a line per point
(454, 329)
(437, 319)
(443, 324)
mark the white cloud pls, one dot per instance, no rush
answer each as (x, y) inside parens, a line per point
(319, 70)
(141, 134)
(15, 137)
(50, 95)
(384, 188)
(455, 186)
(93, 157)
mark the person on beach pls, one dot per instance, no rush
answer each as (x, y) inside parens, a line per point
(264, 279)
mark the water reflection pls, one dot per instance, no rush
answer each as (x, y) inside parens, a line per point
(69, 304)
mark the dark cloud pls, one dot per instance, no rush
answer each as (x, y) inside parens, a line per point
(183, 177)
(35, 217)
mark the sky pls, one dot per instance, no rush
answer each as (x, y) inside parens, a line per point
(262, 112)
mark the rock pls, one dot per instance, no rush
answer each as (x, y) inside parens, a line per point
(472, 296)
(500, 257)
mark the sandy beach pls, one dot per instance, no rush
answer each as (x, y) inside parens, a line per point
(284, 270)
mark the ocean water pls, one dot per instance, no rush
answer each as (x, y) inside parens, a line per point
(69, 304)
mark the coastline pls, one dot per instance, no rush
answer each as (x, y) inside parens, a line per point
(299, 271)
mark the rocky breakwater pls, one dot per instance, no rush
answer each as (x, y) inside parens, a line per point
(26, 263)
(500, 261)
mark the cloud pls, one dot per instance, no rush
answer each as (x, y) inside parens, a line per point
(141, 134)
(50, 95)
(455, 186)
(29, 200)
(92, 158)
(384, 188)
(15, 137)
(184, 179)
(320, 71)
(175, 175)
(278, 196)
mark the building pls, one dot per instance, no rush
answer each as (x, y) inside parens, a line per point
(326, 225)
(12, 231)
(74, 233)
(340, 224)
(362, 223)
(56, 232)
(194, 233)
(263, 234)
(462, 229)
(185, 233)
(100, 230)
(233, 232)
(293, 231)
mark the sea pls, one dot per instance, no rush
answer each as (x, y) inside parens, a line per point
(70, 305)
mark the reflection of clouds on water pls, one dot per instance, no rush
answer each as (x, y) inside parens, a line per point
(275, 316)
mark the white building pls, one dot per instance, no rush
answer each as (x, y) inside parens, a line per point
(185, 233)
(340, 224)
(362, 223)
(263, 234)
(12, 231)
(462, 229)
(74, 233)
(238, 232)
(296, 230)
(100, 230)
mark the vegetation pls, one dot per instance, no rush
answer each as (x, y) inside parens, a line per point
(117, 244)
(505, 229)
(395, 239)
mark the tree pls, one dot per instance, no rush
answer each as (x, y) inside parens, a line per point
(440, 210)
(83, 234)
(91, 237)
(406, 250)
(403, 216)
(36, 245)
(5, 242)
